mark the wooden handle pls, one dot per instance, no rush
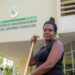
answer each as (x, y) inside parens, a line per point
(30, 53)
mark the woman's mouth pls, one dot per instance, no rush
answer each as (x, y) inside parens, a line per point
(47, 36)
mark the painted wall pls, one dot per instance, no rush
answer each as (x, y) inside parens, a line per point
(67, 24)
(43, 9)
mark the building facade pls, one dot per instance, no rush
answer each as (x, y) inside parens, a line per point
(20, 19)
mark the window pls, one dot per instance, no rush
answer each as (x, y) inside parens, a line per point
(67, 7)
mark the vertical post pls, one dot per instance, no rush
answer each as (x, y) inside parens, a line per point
(72, 58)
(14, 69)
(59, 12)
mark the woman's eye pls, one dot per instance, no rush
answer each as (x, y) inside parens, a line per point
(45, 30)
(50, 29)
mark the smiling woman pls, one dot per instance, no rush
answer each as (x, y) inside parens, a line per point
(50, 30)
(49, 58)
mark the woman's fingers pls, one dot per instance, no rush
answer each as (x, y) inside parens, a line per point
(34, 38)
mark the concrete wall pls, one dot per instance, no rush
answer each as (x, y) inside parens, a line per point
(67, 24)
(43, 9)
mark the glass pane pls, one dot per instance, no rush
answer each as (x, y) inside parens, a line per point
(74, 72)
(74, 58)
(73, 45)
(68, 61)
(69, 72)
(67, 47)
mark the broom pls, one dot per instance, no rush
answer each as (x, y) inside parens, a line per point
(30, 53)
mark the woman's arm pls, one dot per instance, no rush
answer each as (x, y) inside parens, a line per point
(32, 60)
(52, 59)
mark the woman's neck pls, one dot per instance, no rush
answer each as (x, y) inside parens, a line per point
(48, 41)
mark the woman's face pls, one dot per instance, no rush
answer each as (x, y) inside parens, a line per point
(48, 32)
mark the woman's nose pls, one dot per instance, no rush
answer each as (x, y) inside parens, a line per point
(47, 31)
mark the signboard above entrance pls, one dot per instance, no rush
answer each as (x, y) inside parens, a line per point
(19, 23)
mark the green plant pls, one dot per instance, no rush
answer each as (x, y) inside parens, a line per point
(1, 59)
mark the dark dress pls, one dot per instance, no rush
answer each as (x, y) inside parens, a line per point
(41, 57)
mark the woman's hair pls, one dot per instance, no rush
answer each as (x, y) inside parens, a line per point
(52, 22)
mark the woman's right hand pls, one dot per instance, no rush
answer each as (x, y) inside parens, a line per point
(34, 39)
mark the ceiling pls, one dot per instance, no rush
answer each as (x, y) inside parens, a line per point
(67, 37)
(18, 50)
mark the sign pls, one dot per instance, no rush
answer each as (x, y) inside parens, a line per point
(19, 23)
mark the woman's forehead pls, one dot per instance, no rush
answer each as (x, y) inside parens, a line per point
(49, 26)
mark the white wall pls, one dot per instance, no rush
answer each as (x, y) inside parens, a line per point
(67, 24)
(43, 9)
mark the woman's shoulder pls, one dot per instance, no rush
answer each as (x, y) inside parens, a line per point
(58, 44)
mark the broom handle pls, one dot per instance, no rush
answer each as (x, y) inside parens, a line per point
(30, 53)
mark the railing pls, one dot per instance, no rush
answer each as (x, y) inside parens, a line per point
(67, 7)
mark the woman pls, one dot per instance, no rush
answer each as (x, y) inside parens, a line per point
(48, 60)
